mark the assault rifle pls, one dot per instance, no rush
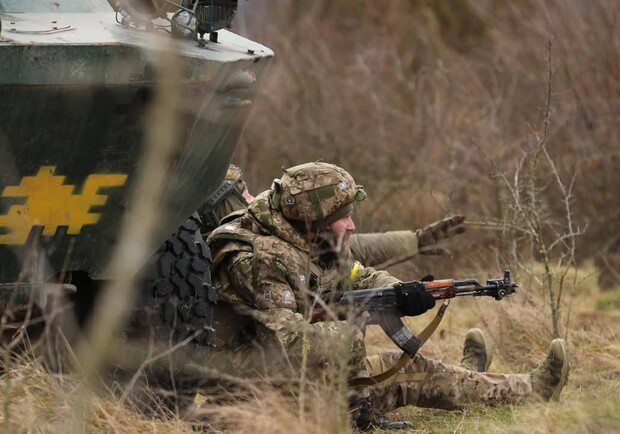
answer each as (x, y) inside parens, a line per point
(383, 307)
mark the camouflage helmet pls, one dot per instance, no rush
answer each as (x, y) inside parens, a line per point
(227, 198)
(313, 195)
(234, 173)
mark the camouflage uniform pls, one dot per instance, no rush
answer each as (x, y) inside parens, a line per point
(384, 249)
(372, 249)
(269, 279)
(262, 263)
(444, 386)
(378, 248)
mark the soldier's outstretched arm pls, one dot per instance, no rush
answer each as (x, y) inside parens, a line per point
(383, 249)
(374, 249)
(447, 227)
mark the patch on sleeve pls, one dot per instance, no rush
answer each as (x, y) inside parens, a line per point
(357, 267)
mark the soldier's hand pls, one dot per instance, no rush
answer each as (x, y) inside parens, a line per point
(415, 302)
(439, 230)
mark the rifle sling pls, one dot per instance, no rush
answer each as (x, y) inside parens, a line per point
(404, 358)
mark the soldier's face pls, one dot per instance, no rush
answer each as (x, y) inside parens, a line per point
(341, 231)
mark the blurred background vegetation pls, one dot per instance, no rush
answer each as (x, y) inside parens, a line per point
(417, 97)
(432, 105)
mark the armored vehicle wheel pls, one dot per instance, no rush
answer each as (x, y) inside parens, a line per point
(177, 298)
(176, 308)
(171, 323)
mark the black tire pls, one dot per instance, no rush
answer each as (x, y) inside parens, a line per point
(176, 304)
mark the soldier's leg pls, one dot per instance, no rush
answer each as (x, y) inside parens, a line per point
(438, 385)
(430, 383)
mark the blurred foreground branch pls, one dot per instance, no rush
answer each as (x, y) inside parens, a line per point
(135, 238)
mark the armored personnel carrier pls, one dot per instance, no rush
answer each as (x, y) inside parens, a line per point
(77, 81)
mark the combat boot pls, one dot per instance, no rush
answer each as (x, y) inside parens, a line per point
(364, 418)
(476, 352)
(549, 378)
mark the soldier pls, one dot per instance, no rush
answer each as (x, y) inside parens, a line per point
(288, 253)
(232, 195)
(373, 249)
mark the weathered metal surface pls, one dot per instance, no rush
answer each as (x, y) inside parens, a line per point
(72, 119)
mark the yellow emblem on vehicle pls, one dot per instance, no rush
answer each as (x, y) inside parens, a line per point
(50, 204)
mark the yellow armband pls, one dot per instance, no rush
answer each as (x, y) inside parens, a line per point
(357, 266)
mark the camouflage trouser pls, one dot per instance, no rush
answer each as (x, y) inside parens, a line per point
(330, 350)
(444, 386)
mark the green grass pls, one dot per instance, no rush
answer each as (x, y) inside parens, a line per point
(608, 301)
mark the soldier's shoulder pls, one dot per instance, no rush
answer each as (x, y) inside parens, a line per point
(225, 229)
(223, 247)
(234, 226)
(232, 216)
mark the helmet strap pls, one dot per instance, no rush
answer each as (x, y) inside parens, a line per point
(319, 225)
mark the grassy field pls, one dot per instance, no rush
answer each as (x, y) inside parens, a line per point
(520, 332)
(36, 401)
(417, 99)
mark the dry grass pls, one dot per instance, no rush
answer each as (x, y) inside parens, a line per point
(38, 402)
(589, 403)
(35, 401)
(409, 96)
(270, 410)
